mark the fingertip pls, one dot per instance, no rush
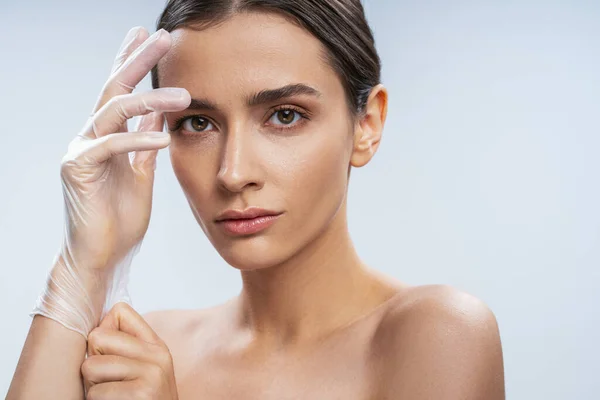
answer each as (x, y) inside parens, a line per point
(133, 32)
(163, 33)
(132, 35)
(137, 32)
(186, 97)
(162, 40)
(179, 94)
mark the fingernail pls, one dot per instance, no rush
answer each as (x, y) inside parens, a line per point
(132, 33)
(157, 34)
(129, 38)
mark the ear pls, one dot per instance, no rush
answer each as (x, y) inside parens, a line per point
(369, 127)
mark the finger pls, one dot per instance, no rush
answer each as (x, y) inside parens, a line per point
(106, 368)
(123, 317)
(119, 109)
(135, 67)
(139, 36)
(145, 161)
(105, 341)
(134, 38)
(108, 146)
(115, 391)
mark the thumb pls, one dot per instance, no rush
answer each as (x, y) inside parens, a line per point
(145, 161)
(122, 317)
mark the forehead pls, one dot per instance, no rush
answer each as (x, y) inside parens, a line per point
(248, 51)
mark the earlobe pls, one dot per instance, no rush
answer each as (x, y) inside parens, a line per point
(369, 127)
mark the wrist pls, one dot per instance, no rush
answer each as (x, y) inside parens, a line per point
(83, 285)
(72, 297)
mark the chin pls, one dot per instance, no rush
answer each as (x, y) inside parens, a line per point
(251, 260)
(252, 252)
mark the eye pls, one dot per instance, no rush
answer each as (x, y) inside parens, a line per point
(285, 117)
(196, 123)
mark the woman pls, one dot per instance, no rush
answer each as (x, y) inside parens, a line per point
(277, 100)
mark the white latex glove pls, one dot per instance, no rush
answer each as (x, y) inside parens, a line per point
(107, 191)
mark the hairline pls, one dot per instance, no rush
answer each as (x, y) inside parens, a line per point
(326, 55)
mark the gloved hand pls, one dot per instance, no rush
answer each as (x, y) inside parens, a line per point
(107, 193)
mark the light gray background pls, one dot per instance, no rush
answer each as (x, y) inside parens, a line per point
(487, 177)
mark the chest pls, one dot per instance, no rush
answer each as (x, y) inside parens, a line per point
(345, 369)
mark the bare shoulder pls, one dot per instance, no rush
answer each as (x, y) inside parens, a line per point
(440, 342)
(436, 303)
(167, 323)
(177, 327)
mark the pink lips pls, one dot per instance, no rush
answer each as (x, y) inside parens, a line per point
(246, 222)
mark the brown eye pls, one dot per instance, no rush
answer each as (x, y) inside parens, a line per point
(285, 116)
(196, 123)
(199, 123)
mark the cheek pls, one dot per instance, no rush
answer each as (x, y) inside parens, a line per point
(318, 174)
(193, 166)
(318, 166)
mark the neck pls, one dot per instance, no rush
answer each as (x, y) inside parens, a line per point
(321, 288)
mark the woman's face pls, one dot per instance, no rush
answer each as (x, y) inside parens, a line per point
(270, 129)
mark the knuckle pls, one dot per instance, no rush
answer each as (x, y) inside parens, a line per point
(66, 163)
(122, 111)
(112, 88)
(107, 141)
(123, 85)
(155, 373)
(87, 367)
(116, 102)
(94, 335)
(165, 359)
(95, 393)
(71, 158)
(120, 307)
(144, 392)
(144, 105)
(129, 105)
(95, 338)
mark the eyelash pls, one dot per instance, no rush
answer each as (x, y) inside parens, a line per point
(303, 117)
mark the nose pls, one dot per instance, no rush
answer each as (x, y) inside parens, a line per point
(239, 169)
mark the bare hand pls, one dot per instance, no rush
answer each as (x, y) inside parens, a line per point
(127, 360)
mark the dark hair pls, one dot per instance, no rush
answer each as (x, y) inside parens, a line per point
(340, 25)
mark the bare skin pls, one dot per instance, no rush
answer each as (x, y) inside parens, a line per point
(428, 342)
(312, 320)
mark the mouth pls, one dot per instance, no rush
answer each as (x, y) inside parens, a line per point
(246, 222)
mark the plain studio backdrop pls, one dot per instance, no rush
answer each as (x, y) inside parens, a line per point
(487, 177)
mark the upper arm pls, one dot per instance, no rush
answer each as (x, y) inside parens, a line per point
(444, 345)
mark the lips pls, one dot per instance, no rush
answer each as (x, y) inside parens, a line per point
(249, 213)
(246, 222)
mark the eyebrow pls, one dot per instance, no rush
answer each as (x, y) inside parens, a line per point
(271, 95)
(262, 97)
(201, 104)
